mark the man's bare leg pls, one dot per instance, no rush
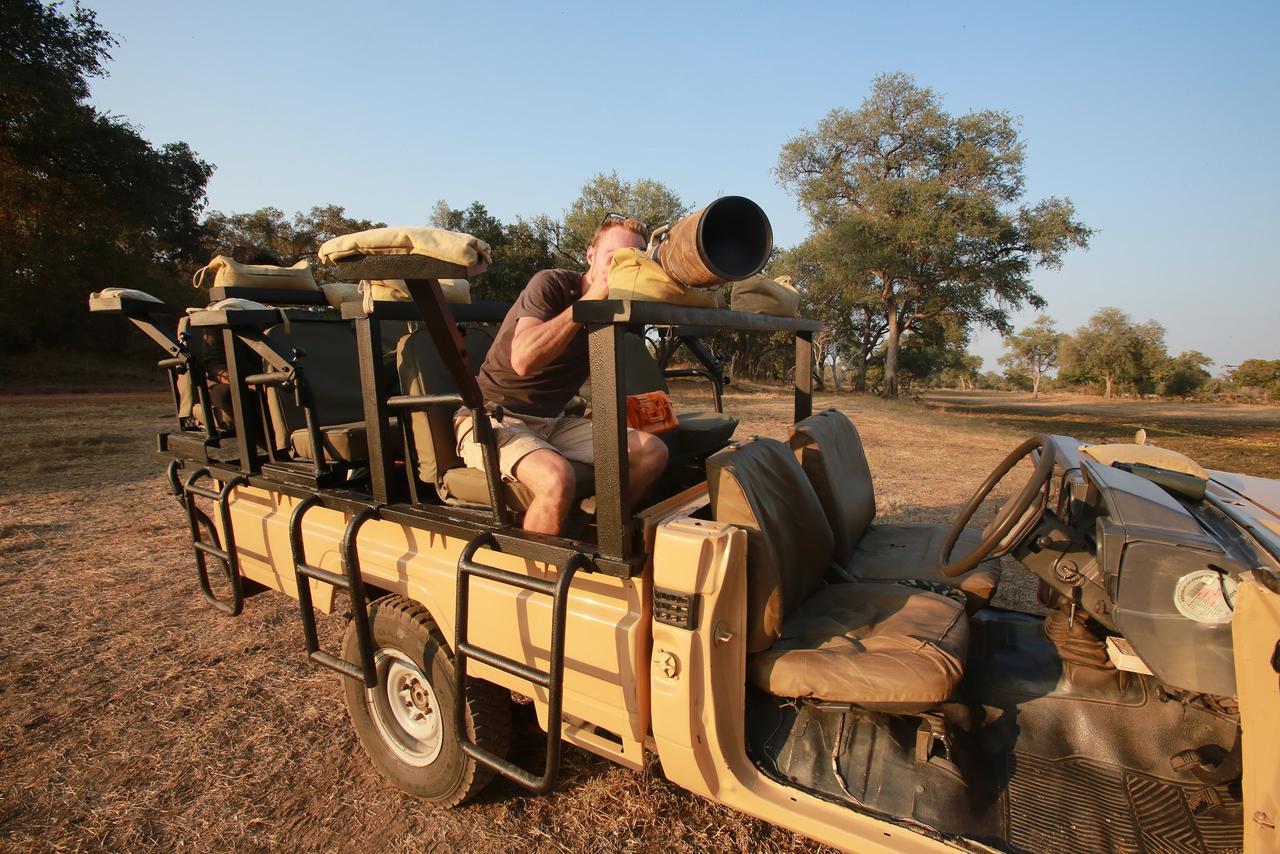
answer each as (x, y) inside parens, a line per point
(551, 480)
(646, 461)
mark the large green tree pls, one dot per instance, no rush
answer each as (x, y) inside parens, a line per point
(1033, 350)
(85, 200)
(1113, 349)
(930, 207)
(519, 250)
(267, 235)
(1185, 374)
(649, 201)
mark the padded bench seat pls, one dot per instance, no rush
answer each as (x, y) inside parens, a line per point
(830, 450)
(885, 647)
(348, 442)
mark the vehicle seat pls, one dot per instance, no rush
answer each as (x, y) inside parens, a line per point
(422, 371)
(831, 453)
(331, 372)
(884, 647)
(700, 432)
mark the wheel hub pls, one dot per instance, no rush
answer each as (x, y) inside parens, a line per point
(403, 706)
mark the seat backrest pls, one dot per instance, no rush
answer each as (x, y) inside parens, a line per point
(643, 374)
(830, 451)
(759, 486)
(330, 369)
(422, 371)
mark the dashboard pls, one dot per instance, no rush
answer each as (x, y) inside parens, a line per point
(1141, 554)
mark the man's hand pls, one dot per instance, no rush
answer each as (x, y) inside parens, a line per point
(600, 290)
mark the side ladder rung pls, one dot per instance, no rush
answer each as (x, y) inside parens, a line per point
(552, 680)
(346, 668)
(187, 493)
(211, 549)
(349, 580)
(306, 570)
(508, 665)
(192, 489)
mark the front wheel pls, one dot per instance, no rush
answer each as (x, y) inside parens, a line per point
(405, 724)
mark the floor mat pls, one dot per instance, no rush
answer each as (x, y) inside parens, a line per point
(1082, 805)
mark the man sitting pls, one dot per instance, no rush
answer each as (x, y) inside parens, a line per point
(536, 364)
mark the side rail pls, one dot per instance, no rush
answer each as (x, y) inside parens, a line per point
(551, 680)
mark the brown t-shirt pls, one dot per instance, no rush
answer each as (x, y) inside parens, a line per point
(545, 391)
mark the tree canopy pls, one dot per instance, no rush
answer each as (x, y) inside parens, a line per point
(268, 236)
(649, 201)
(1113, 349)
(927, 207)
(1033, 350)
(85, 200)
(519, 250)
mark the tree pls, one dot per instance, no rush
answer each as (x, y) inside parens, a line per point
(1262, 374)
(518, 250)
(1111, 348)
(85, 201)
(1034, 350)
(1185, 374)
(649, 201)
(926, 206)
(268, 236)
(933, 352)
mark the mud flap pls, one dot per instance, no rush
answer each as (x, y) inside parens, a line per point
(1256, 638)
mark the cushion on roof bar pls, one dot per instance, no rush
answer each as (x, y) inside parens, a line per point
(336, 293)
(634, 275)
(231, 304)
(762, 295)
(229, 273)
(456, 291)
(127, 293)
(450, 246)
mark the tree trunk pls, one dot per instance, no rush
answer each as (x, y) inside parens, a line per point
(1035, 385)
(835, 374)
(1107, 393)
(891, 354)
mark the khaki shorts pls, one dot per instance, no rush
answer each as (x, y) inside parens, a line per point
(520, 435)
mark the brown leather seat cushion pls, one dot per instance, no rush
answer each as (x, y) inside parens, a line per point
(342, 442)
(898, 552)
(879, 646)
(470, 486)
(831, 453)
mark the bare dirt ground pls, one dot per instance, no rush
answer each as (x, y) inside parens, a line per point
(132, 716)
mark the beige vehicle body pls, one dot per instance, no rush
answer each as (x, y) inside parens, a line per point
(1041, 736)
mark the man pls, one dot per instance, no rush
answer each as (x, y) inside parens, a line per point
(536, 364)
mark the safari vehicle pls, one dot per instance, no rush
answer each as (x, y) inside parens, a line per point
(754, 626)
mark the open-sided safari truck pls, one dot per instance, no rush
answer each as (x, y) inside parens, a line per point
(752, 624)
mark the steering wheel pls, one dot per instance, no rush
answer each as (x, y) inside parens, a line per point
(1007, 517)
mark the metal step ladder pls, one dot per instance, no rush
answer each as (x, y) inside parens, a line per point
(552, 680)
(197, 519)
(350, 580)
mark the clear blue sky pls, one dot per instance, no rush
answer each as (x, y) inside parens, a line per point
(1159, 121)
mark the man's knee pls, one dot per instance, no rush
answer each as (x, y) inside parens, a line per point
(647, 451)
(547, 474)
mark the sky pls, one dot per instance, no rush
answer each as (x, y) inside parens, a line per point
(1159, 121)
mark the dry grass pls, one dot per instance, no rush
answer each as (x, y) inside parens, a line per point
(132, 716)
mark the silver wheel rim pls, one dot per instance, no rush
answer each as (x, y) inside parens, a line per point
(404, 708)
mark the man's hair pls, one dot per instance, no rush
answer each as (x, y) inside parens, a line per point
(631, 224)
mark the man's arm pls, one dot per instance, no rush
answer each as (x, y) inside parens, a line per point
(536, 342)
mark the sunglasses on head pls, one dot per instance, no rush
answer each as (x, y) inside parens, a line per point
(614, 216)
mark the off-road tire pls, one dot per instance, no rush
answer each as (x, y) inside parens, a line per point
(452, 777)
